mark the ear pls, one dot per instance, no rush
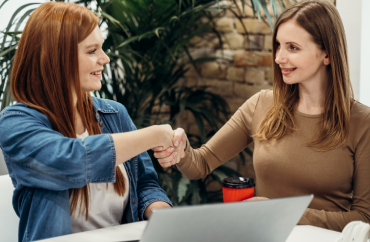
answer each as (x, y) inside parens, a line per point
(327, 59)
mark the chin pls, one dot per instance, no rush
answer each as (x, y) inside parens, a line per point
(91, 89)
(289, 81)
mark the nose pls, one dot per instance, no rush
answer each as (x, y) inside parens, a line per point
(104, 59)
(280, 57)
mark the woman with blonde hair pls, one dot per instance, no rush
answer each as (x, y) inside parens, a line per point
(77, 162)
(309, 134)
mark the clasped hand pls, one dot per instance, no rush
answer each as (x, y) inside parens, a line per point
(173, 154)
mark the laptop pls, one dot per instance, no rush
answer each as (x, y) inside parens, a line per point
(254, 221)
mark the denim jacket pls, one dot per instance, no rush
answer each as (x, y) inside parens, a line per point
(43, 164)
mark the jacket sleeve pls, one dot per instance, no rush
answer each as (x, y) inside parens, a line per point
(148, 189)
(37, 156)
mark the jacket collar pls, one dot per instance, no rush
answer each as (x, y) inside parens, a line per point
(100, 105)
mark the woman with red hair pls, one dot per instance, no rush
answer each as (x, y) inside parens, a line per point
(73, 162)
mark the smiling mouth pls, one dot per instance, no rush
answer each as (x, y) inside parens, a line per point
(286, 71)
(96, 73)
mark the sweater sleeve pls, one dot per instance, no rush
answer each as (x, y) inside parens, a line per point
(360, 208)
(232, 138)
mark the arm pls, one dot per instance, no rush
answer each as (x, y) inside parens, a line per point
(148, 189)
(130, 144)
(360, 209)
(150, 194)
(155, 205)
(232, 138)
(40, 157)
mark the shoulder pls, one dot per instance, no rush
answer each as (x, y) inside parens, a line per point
(359, 128)
(261, 101)
(359, 112)
(115, 113)
(263, 96)
(108, 106)
(18, 107)
(22, 109)
(266, 96)
(359, 125)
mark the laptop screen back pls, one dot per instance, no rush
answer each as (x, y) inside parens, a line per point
(267, 220)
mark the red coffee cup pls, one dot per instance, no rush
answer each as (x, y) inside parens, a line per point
(237, 189)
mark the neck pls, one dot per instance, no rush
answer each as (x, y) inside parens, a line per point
(312, 96)
(75, 104)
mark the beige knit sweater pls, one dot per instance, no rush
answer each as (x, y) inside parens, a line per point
(339, 178)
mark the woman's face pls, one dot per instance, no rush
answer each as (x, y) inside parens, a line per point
(91, 59)
(299, 58)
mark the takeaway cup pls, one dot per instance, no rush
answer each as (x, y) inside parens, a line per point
(237, 189)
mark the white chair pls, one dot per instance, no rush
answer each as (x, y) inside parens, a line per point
(3, 169)
(8, 219)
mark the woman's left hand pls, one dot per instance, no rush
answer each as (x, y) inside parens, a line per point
(155, 205)
(256, 198)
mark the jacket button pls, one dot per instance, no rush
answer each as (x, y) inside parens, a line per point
(133, 201)
(129, 173)
(101, 124)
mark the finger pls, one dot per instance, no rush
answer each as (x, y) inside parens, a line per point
(178, 135)
(163, 154)
(166, 165)
(256, 199)
(168, 159)
(159, 148)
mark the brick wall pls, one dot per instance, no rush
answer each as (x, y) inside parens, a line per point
(244, 70)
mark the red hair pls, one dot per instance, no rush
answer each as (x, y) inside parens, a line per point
(45, 75)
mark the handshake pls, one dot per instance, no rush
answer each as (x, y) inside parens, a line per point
(172, 146)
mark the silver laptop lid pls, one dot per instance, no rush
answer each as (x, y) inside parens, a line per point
(266, 221)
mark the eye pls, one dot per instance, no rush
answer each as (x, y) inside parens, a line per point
(277, 44)
(292, 47)
(92, 52)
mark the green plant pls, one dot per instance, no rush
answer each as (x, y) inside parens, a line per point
(148, 44)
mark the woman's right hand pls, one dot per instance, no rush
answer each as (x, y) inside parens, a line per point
(172, 155)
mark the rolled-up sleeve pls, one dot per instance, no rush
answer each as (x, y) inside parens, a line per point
(37, 156)
(148, 188)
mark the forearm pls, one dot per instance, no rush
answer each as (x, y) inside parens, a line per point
(331, 220)
(133, 143)
(193, 165)
(225, 144)
(155, 205)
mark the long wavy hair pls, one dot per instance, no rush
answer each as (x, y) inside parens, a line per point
(45, 74)
(321, 19)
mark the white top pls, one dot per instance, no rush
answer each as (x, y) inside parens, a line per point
(106, 206)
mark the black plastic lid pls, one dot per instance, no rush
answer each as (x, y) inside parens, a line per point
(238, 182)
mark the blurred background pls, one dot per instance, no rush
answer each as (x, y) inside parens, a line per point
(189, 63)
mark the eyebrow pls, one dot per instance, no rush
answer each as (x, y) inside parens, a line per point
(289, 43)
(93, 45)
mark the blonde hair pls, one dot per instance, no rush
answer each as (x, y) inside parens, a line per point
(321, 19)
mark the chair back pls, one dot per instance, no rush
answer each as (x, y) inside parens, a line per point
(3, 169)
(8, 218)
